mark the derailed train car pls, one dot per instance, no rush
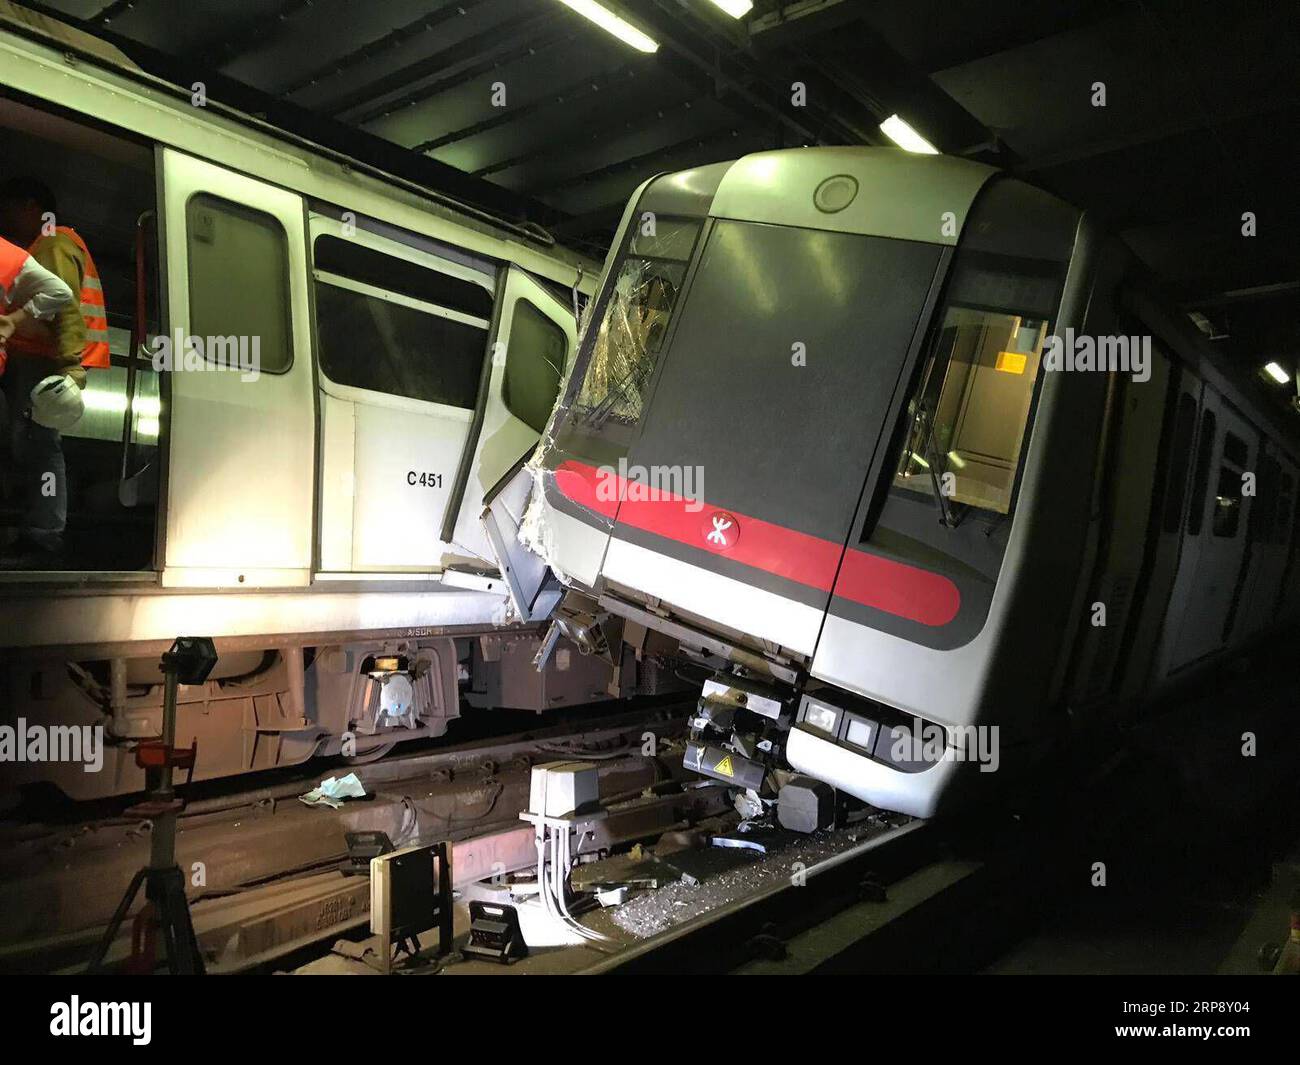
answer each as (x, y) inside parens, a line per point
(904, 450)
(331, 510)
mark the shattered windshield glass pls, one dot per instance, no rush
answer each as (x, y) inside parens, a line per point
(631, 331)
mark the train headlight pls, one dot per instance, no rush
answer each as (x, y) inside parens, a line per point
(820, 716)
(861, 733)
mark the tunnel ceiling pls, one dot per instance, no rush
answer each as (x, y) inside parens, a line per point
(1202, 105)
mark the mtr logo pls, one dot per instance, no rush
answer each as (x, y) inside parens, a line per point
(720, 530)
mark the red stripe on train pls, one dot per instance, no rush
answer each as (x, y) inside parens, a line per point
(881, 583)
(898, 589)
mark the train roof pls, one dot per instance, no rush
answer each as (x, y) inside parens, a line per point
(51, 60)
(884, 192)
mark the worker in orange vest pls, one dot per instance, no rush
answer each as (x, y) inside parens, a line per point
(40, 363)
(32, 291)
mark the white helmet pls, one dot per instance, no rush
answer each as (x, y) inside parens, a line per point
(57, 402)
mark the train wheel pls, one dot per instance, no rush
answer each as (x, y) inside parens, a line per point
(372, 755)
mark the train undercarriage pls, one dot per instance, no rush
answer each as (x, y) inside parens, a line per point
(270, 708)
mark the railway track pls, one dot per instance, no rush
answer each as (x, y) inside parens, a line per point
(883, 898)
(267, 893)
(258, 856)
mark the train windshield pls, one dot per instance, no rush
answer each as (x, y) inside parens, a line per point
(632, 326)
(969, 417)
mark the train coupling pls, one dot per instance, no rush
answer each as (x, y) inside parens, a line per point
(738, 731)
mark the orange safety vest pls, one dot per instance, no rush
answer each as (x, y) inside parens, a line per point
(12, 259)
(95, 355)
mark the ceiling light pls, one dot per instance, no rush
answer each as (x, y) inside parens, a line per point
(735, 8)
(612, 23)
(906, 137)
(1277, 373)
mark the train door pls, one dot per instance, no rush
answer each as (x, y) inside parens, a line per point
(1148, 627)
(1215, 538)
(106, 465)
(1286, 596)
(533, 342)
(402, 335)
(1270, 539)
(241, 450)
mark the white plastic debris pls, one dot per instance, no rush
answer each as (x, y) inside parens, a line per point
(614, 896)
(333, 791)
(748, 804)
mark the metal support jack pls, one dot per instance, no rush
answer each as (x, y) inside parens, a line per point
(166, 910)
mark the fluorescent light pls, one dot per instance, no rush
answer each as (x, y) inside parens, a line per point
(612, 23)
(1277, 373)
(906, 137)
(115, 403)
(735, 8)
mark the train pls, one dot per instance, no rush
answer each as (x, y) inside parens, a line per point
(324, 383)
(919, 467)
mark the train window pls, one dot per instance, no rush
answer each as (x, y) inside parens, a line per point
(1260, 527)
(968, 421)
(239, 280)
(534, 365)
(1227, 503)
(1235, 450)
(637, 313)
(1180, 457)
(333, 255)
(1282, 515)
(668, 238)
(1201, 479)
(402, 348)
(1228, 498)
